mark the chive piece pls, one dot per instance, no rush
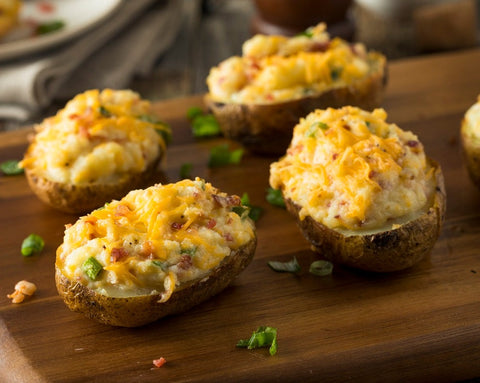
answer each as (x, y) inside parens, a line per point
(254, 212)
(189, 251)
(307, 32)
(163, 129)
(166, 134)
(205, 126)
(240, 210)
(49, 27)
(264, 336)
(32, 244)
(321, 268)
(186, 170)
(275, 197)
(193, 112)
(92, 268)
(221, 155)
(162, 265)
(335, 73)
(285, 267)
(11, 168)
(245, 199)
(104, 111)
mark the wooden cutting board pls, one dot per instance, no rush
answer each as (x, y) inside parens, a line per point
(422, 324)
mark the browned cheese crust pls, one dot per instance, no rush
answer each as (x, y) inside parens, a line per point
(386, 251)
(267, 128)
(140, 310)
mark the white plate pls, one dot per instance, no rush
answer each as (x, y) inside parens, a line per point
(77, 15)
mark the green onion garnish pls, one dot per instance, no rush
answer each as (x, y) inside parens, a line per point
(162, 265)
(264, 336)
(221, 155)
(49, 27)
(104, 111)
(186, 170)
(11, 168)
(193, 112)
(32, 244)
(275, 197)
(189, 251)
(92, 268)
(285, 267)
(203, 124)
(162, 128)
(254, 212)
(321, 268)
(335, 73)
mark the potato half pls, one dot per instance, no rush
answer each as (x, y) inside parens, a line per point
(470, 142)
(259, 97)
(156, 252)
(390, 250)
(99, 147)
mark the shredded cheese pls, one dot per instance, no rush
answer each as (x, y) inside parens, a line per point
(350, 169)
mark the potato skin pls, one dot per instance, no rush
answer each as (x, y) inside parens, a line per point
(471, 154)
(267, 129)
(75, 199)
(387, 251)
(140, 310)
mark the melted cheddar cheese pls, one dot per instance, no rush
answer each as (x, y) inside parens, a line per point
(153, 240)
(351, 170)
(278, 68)
(9, 14)
(98, 137)
(471, 127)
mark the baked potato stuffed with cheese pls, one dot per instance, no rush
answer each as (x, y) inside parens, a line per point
(9, 14)
(100, 146)
(363, 191)
(157, 251)
(259, 97)
(470, 141)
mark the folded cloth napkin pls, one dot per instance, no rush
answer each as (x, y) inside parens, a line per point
(109, 55)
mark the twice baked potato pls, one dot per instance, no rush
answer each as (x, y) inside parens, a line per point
(362, 190)
(9, 14)
(259, 97)
(156, 252)
(470, 141)
(99, 147)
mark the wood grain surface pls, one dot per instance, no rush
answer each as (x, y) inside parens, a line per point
(422, 324)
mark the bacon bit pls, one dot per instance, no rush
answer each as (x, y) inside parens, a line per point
(347, 127)
(117, 254)
(22, 290)
(229, 220)
(159, 362)
(228, 237)
(45, 7)
(73, 116)
(412, 143)
(269, 97)
(90, 220)
(84, 131)
(334, 156)
(92, 236)
(68, 225)
(319, 46)
(176, 226)
(372, 174)
(211, 223)
(231, 200)
(337, 216)
(185, 262)
(122, 210)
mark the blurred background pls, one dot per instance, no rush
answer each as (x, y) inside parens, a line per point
(165, 48)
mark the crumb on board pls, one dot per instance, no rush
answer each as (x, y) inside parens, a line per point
(22, 290)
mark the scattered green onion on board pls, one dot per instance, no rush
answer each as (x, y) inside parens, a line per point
(285, 267)
(32, 244)
(11, 168)
(321, 268)
(221, 155)
(274, 197)
(264, 336)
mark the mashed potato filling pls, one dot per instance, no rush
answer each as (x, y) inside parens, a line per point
(351, 170)
(278, 68)
(155, 239)
(98, 137)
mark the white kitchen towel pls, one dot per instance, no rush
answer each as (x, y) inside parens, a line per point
(109, 55)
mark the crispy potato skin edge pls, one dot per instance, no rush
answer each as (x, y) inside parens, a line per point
(267, 129)
(471, 154)
(140, 310)
(74, 199)
(387, 251)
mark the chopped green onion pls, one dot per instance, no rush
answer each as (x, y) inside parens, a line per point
(49, 27)
(240, 210)
(264, 336)
(32, 244)
(193, 112)
(104, 111)
(162, 265)
(163, 129)
(254, 212)
(92, 268)
(221, 155)
(321, 268)
(245, 199)
(307, 32)
(335, 73)
(189, 251)
(275, 197)
(205, 126)
(11, 168)
(186, 170)
(285, 267)
(312, 130)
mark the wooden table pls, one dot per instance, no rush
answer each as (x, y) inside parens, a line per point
(422, 324)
